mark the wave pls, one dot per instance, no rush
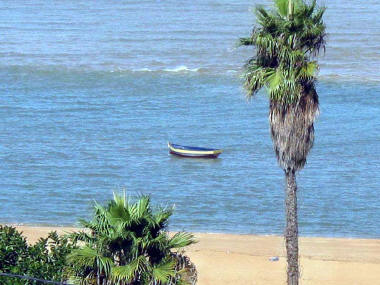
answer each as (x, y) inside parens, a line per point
(176, 69)
(143, 70)
(100, 68)
(329, 71)
(181, 68)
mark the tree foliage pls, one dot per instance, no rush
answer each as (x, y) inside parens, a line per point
(286, 40)
(126, 243)
(44, 260)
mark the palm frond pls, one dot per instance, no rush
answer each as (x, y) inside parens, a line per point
(181, 239)
(282, 7)
(163, 271)
(245, 42)
(307, 71)
(89, 257)
(161, 217)
(118, 214)
(104, 264)
(143, 206)
(100, 222)
(119, 199)
(84, 256)
(159, 243)
(82, 236)
(255, 78)
(126, 273)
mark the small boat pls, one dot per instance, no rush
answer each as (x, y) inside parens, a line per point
(191, 151)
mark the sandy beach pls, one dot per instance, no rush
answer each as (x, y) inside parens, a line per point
(245, 259)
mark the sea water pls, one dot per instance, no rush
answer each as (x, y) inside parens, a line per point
(90, 93)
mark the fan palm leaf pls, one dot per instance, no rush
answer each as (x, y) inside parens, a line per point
(90, 258)
(128, 272)
(163, 271)
(180, 240)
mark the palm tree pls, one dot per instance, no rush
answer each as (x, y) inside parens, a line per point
(126, 243)
(286, 41)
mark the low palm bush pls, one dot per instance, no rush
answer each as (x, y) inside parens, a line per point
(126, 242)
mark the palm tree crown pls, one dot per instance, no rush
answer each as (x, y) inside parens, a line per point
(126, 243)
(286, 40)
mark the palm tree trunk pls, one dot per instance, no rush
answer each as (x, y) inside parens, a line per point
(291, 231)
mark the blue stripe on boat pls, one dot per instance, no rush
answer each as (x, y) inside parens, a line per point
(192, 147)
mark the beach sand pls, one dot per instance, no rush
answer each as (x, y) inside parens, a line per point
(245, 259)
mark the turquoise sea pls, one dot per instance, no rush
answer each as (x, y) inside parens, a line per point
(91, 91)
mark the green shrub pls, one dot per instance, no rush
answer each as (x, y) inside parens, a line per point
(13, 254)
(44, 260)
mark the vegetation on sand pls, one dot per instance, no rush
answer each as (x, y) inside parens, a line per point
(44, 260)
(126, 243)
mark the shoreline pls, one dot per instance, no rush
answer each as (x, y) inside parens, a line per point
(245, 259)
(69, 226)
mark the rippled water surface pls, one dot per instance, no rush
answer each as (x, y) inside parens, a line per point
(90, 94)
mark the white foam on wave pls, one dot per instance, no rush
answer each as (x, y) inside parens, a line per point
(143, 70)
(181, 68)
